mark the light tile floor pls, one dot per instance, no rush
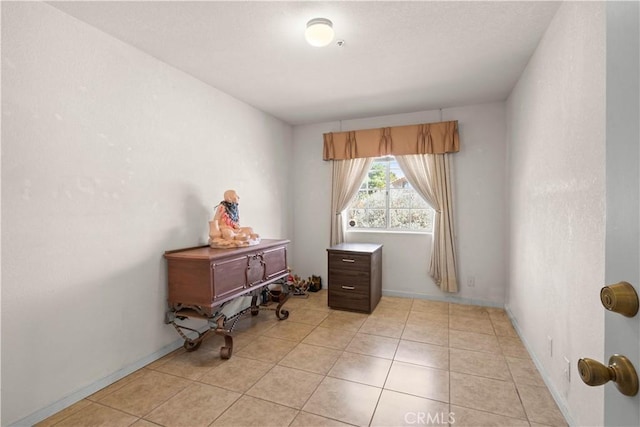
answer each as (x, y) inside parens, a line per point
(410, 362)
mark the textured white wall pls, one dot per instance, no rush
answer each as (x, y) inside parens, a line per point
(109, 157)
(479, 191)
(556, 125)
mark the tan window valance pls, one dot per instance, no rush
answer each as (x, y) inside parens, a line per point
(427, 138)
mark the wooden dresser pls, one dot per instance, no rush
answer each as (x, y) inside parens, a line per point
(355, 276)
(203, 278)
(206, 283)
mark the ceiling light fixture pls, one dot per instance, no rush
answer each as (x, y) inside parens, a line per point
(319, 32)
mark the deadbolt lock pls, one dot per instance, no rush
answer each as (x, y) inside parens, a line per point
(620, 298)
(620, 371)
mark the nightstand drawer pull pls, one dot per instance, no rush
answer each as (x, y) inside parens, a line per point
(348, 260)
(349, 288)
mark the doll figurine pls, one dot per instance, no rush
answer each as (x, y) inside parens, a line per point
(225, 230)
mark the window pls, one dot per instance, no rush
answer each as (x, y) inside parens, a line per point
(386, 201)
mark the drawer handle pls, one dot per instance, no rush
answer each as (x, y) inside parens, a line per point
(349, 288)
(348, 260)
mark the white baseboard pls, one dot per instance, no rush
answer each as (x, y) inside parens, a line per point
(444, 298)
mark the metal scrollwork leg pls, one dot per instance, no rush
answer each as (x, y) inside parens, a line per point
(189, 344)
(227, 349)
(218, 322)
(192, 345)
(280, 313)
(255, 309)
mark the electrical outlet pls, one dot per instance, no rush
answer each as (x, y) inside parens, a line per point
(471, 281)
(567, 369)
(550, 342)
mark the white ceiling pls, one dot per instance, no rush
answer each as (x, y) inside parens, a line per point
(398, 56)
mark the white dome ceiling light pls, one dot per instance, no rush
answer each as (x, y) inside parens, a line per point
(319, 32)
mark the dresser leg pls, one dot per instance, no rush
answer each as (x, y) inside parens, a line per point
(280, 313)
(255, 309)
(227, 350)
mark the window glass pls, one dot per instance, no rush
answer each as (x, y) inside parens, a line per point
(386, 201)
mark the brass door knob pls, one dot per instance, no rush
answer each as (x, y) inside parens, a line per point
(620, 371)
(621, 298)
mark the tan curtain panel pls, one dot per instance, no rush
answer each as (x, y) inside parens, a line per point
(430, 176)
(347, 178)
(427, 138)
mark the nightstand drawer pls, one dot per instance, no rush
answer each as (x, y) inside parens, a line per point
(347, 286)
(349, 277)
(348, 300)
(347, 261)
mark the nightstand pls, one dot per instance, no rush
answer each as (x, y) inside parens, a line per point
(355, 276)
